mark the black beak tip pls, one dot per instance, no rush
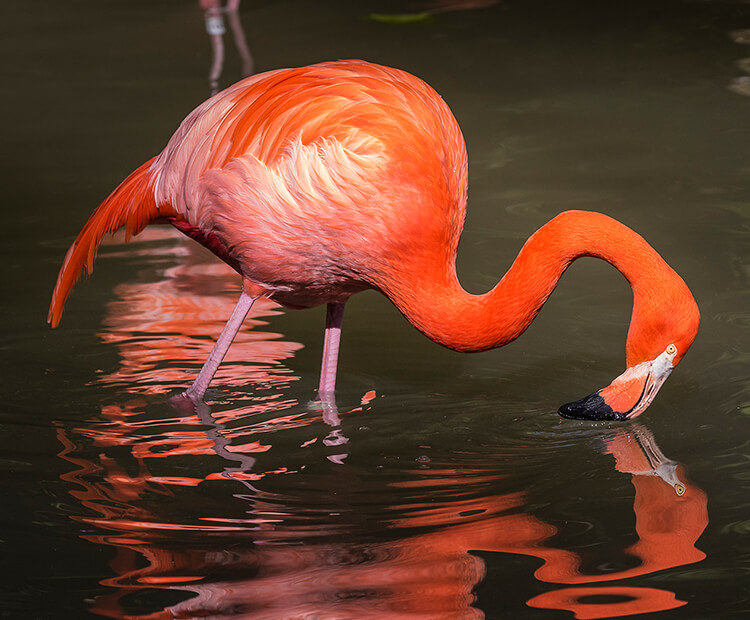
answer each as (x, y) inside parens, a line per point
(592, 407)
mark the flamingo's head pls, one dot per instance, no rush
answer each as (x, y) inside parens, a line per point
(657, 341)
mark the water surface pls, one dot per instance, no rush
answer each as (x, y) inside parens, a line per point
(450, 489)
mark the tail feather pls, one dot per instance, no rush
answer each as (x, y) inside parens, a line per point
(131, 205)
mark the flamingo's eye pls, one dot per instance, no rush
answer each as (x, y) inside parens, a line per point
(671, 349)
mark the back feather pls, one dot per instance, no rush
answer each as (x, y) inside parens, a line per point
(131, 205)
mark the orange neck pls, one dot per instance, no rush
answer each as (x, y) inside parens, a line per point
(434, 301)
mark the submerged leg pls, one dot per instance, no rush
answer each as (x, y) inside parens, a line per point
(200, 385)
(334, 318)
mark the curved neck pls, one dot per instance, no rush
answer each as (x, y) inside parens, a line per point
(434, 301)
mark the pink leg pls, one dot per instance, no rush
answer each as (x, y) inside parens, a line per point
(334, 318)
(200, 385)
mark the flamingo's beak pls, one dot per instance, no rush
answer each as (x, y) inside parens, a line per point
(628, 395)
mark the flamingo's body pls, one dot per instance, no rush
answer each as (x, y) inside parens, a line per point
(319, 182)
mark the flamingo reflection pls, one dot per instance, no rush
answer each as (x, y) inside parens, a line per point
(670, 517)
(250, 561)
(214, 15)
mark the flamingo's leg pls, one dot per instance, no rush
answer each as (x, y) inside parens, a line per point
(198, 390)
(334, 318)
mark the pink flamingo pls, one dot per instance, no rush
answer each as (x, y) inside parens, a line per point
(214, 15)
(319, 182)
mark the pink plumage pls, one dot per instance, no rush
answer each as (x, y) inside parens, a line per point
(319, 182)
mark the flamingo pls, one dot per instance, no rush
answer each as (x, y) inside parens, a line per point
(318, 182)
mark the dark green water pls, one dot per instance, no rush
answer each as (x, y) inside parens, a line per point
(451, 489)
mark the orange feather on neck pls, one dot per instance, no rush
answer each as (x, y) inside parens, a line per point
(664, 311)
